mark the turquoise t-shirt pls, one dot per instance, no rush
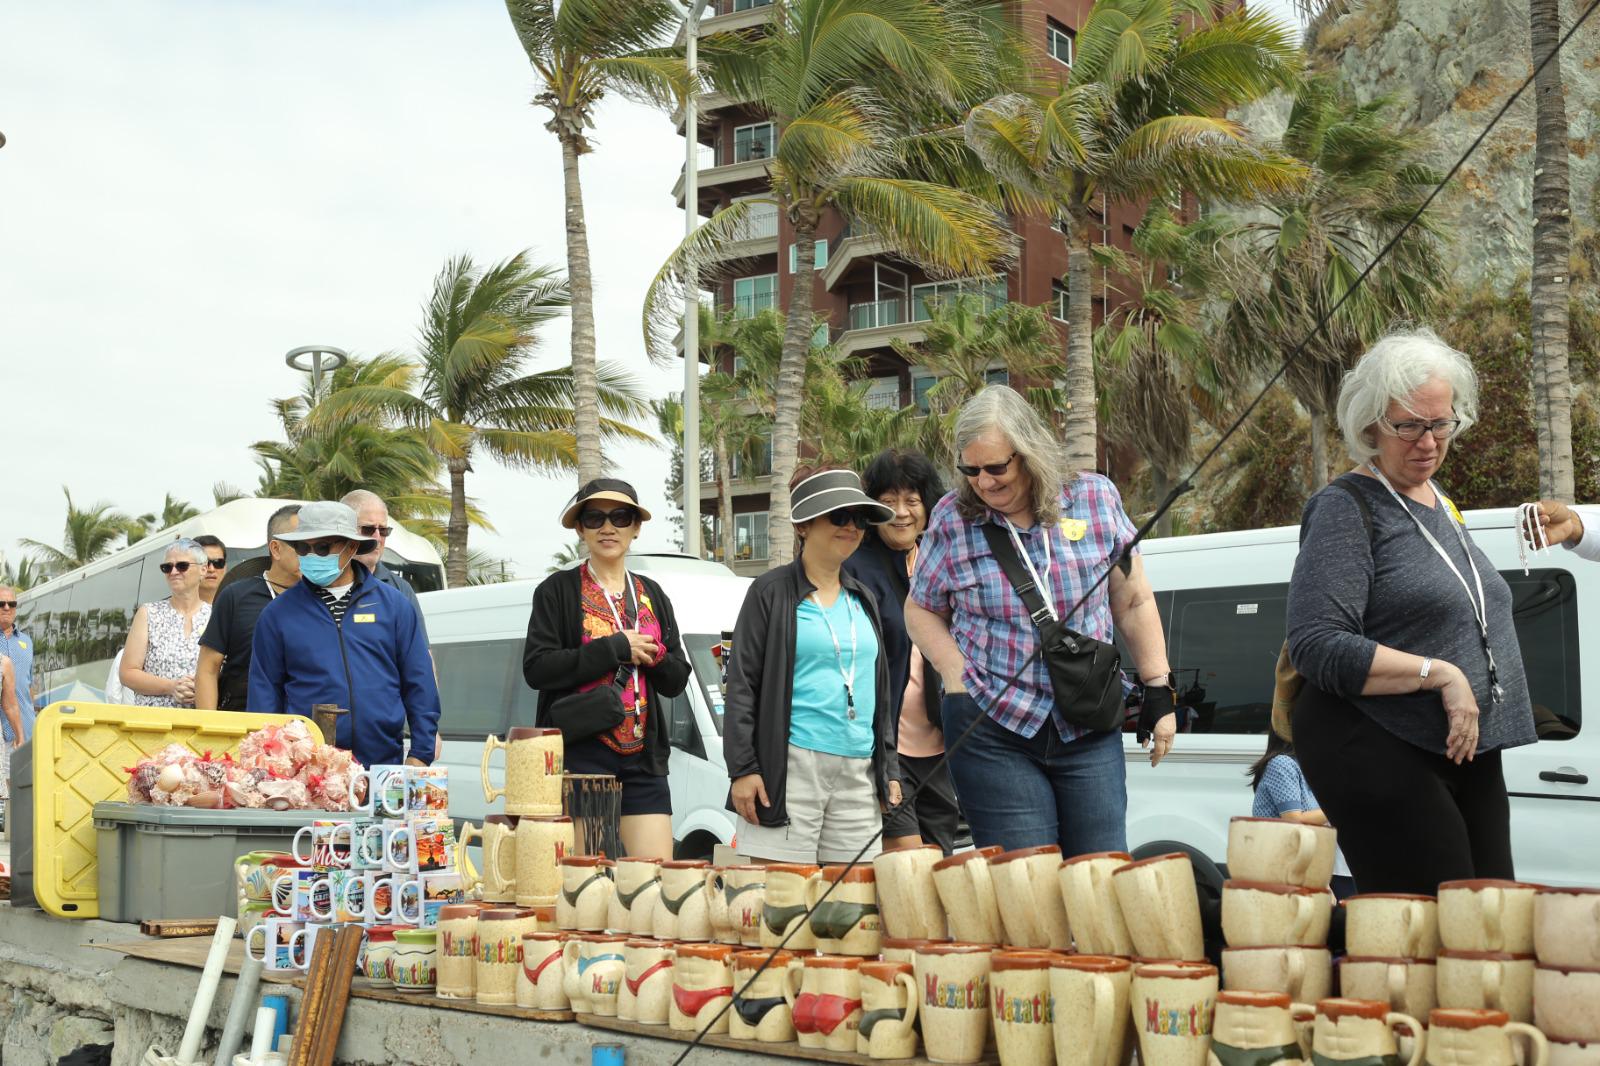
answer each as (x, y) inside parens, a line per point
(818, 718)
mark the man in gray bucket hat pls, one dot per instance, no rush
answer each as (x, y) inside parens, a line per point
(340, 636)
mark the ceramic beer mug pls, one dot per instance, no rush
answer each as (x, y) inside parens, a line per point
(499, 838)
(953, 980)
(824, 994)
(1258, 1029)
(1358, 1031)
(594, 967)
(760, 1011)
(1487, 915)
(1281, 852)
(379, 945)
(1304, 974)
(1461, 1037)
(888, 1011)
(1566, 926)
(702, 984)
(1161, 907)
(585, 897)
(542, 985)
(723, 929)
(1392, 924)
(847, 922)
(681, 912)
(897, 950)
(1258, 915)
(1092, 1022)
(500, 933)
(1019, 994)
(533, 771)
(458, 951)
(1567, 1003)
(784, 907)
(1172, 1005)
(542, 844)
(1409, 986)
(966, 892)
(1027, 890)
(633, 904)
(1092, 909)
(744, 891)
(1490, 980)
(414, 965)
(906, 893)
(646, 993)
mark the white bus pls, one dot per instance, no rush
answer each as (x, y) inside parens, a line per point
(79, 620)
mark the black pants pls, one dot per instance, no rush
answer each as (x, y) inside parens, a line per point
(934, 814)
(1407, 818)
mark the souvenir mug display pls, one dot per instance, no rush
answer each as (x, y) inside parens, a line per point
(413, 967)
(733, 902)
(585, 897)
(906, 892)
(458, 952)
(1257, 1029)
(498, 837)
(966, 892)
(1280, 852)
(379, 791)
(499, 959)
(1304, 974)
(542, 985)
(542, 845)
(887, 1029)
(1092, 1020)
(702, 984)
(1566, 926)
(1357, 1031)
(1487, 979)
(646, 992)
(1460, 1037)
(1567, 1003)
(680, 911)
(326, 845)
(784, 907)
(1019, 987)
(1260, 915)
(847, 922)
(1172, 1006)
(282, 944)
(1095, 916)
(953, 981)
(1392, 924)
(824, 995)
(760, 1010)
(1486, 915)
(379, 945)
(1027, 891)
(533, 771)
(634, 901)
(1161, 907)
(1409, 986)
(594, 967)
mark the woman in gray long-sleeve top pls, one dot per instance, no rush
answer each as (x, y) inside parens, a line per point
(1402, 629)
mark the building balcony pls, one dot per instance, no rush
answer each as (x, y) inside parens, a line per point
(853, 247)
(751, 170)
(747, 18)
(875, 323)
(706, 107)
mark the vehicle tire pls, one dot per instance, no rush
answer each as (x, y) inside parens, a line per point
(697, 845)
(1208, 878)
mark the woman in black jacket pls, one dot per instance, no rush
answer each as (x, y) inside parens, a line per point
(808, 728)
(906, 483)
(597, 625)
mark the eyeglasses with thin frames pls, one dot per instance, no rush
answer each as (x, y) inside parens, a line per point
(992, 469)
(1411, 432)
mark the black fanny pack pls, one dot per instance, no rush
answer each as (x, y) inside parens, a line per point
(1085, 673)
(586, 714)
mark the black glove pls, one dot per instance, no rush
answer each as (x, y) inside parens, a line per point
(1157, 705)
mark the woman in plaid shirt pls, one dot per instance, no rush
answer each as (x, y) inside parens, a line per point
(1025, 776)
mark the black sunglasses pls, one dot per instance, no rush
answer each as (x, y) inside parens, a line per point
(217, 564)
(321, 547)
(8, 603)
(847, 517)
(182, 568)
(992, 469)
(620, 517)
(376, 531)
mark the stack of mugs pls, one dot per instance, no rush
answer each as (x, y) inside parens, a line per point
(1276, 908)
(1566, 983)
(1392, 951)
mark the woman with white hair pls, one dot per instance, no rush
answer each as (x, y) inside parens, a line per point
(1402, 629)
(163, 648)
(1044, 764)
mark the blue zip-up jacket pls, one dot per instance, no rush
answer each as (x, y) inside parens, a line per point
(376, 664)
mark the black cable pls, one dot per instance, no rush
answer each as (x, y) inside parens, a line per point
(1186, 485)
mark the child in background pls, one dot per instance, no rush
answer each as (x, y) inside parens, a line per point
(1281, 792)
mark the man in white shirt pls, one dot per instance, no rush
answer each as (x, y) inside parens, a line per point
(1567, 526)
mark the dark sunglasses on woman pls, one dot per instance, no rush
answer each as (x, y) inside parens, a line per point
(845, 518)
(992, 469)
(620, 517)
(182, 568)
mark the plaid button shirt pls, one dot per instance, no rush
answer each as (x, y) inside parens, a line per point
(957, 575)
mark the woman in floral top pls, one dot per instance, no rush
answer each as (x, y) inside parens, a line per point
(597, 625)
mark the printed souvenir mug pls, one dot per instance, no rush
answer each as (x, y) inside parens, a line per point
(306, 895)
(533, 771)
(906, 893)
(967, 894)
(1566, 1004)
(427, 846)
(646, 993)
(680, 912)
(1089, 998)
(1461, 1037)
(438, 892)
(824, 995)
(381, 788)
(585, 897)
(1276, 851)
(1566, 927)
(282, 944)
(499, 955)
(1257, 915)
(633, 903)
(428, 788)
(458, 951)
(784, 907)
(760, 1011)
(252, 912)
(594, 968)
(1489, 980)
(1360, 1032)
(1019, 991)
(370, 895)
(1393, 925)
(542, 985)
(498, 837)
(888, 1010)
(327, 844)
(1092, 908)
(349, 891)
(847, 922)
(953, 980)
(255, 872)
(413, 967)
(366, 844)
(542, 844)
(702, 981)
(1409, 986)
(1027, 889)
(1161, 907)
(1172, 1005)
(399, 855)
(379, 945)
(1304, 974)
(1487, 915)
(1259, 1029)
(743, 892)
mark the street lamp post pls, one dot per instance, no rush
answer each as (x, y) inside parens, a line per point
(316, 359)
(691, 294)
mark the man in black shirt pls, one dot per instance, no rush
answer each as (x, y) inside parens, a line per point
(222, 679)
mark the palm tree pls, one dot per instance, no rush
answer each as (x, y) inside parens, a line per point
(26, 574)
(222, 492)
(173, 511)
(1140, 116)
(582, 50)
(1552, 257)
(467, 391)
(864, 95)
(89, 533)
(565, 557)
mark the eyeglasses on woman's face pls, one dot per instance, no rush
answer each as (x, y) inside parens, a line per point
(847, 517)
(319, 547)
(619, 517)
(181, 567)
(1411, 431)
(992, 469)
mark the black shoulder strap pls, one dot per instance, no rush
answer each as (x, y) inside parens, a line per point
(1005, 553)
(1361, 505)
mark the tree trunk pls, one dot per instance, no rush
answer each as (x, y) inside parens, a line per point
(580, 278)
(724, 474)
(1319, 451)
(455, 564)
(1552, 257)
(1160, 485)
(791, 393)
(1079, 437)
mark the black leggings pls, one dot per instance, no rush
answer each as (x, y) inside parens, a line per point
(1407, 818)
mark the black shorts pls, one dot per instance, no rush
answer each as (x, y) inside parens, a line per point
(934, 814)
(642, 792)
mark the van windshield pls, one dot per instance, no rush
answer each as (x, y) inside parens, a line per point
(707, 670)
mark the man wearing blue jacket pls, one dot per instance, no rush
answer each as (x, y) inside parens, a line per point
(342, 637)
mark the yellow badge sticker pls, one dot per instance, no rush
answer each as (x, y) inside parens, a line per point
(22, 644)
(1454, 511)
(1074, 528)
(364, 617)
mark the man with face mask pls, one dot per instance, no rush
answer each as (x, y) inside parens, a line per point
(222, 680)
(339, 636)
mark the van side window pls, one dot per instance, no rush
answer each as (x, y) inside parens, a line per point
(476, 679)
(682, 733)
(1544, 607)
(1223, 644)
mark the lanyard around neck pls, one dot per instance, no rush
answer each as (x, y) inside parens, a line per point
(1480, 605)
(620, 620)
(1043, 585)
(849, 676)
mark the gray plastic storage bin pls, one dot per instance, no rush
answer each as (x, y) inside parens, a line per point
(177, 862)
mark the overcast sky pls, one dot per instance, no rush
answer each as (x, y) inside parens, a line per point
(190, 190)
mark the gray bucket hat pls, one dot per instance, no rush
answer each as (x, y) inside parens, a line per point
(329, 518)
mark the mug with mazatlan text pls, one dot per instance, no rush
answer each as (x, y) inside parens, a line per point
(534, 765)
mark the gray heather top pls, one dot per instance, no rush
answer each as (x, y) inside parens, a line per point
(1351, 593)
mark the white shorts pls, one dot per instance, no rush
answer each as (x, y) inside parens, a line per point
(832, 802)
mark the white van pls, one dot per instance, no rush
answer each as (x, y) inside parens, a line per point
(1223, 597)
(477, 635)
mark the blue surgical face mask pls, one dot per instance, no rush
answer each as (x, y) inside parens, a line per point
(321, 570)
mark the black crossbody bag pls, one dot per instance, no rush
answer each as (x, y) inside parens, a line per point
(1085, 673)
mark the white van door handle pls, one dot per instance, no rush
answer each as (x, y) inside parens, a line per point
(1564, 777)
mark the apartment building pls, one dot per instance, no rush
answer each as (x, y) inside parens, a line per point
(868, 294)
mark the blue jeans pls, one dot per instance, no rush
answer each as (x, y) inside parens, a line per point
(1021, 793)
